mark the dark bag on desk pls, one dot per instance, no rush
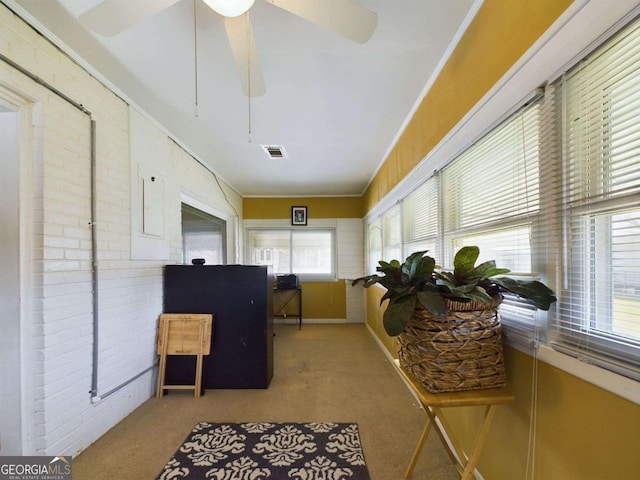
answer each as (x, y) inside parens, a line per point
(287, 281)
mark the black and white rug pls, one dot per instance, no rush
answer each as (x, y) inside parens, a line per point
(274, 451)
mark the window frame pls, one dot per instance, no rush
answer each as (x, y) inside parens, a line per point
(222, 223)
(593, 100)
(303, 277)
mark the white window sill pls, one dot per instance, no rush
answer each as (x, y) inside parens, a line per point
(310, 277)
(610, 381)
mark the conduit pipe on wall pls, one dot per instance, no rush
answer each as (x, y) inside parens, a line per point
(94, 243)
(94, 266)
(94, 269)
(95, 397)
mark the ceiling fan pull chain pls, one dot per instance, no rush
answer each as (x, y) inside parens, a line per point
(196, 110)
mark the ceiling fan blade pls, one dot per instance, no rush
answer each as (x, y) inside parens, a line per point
(243, 47)
(341, 16)
(114, 16)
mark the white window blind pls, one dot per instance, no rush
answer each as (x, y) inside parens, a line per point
(420, 219)
(391, 234)
(496, 180)
(599, 314)
(491, 198)
(374, 238)
(312, 252)
(492, 193)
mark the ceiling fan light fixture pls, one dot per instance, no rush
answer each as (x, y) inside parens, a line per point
(230, 8)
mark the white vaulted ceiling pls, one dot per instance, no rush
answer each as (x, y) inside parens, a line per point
(335, 105)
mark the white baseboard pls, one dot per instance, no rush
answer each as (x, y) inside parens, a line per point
(293, 320)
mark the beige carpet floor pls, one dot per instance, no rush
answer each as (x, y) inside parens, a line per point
(322, 373)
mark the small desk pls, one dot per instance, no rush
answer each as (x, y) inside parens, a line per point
(434, 403)
(285, 296)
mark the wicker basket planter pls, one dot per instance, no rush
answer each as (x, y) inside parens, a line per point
(450, 345)
(461, 351)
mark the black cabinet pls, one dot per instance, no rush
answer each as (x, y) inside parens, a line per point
(240, 299)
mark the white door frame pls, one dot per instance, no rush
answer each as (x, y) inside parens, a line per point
(17, 427)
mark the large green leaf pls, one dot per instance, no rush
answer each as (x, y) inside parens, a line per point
(478, 294)
(410, 266)
(395, 293)
(464, 260)
(372, 279)
(488, 269)
(389, 274)
(536, 292)
(464, 289)
(423, 273)
(434, 302)
(398, 313)
(391, 264)
(389, 269)
(446, 279)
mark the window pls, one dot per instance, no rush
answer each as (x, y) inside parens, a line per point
(308, 253)
(312, 252)
(552, 192)
(391, 235)
(203, 236)
(420, 219)
(599, 315)
(384, 237)
(492, 193)
(374, 252)
(492, 200)
(487, 196)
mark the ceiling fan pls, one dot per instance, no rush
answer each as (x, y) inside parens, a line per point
(344, 17)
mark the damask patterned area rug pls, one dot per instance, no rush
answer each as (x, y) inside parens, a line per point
(273, 451)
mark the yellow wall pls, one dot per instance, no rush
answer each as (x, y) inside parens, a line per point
(317, 207)
(499, 35)
(583, 432)
(322, 300)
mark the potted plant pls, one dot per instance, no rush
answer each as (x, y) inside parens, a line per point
(448, 321)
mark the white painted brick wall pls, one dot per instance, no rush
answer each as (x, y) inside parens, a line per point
(64, 418)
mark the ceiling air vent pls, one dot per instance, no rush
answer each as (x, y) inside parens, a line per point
(275, 151)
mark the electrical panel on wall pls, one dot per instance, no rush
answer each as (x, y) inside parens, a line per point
(149, 191)
(152, 189)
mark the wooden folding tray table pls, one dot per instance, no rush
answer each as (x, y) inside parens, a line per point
(183, 334)
(434, 403)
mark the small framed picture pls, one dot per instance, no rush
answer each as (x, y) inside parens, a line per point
(298, 215)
